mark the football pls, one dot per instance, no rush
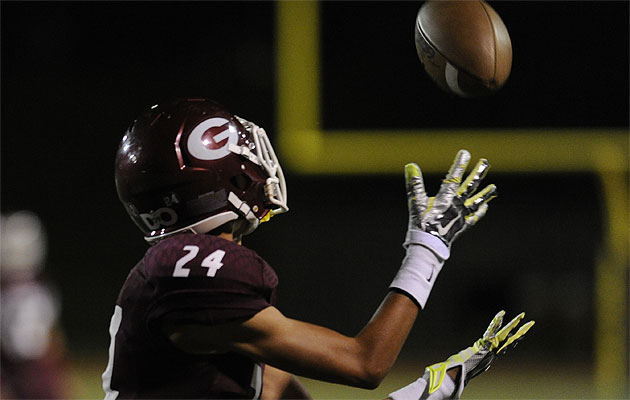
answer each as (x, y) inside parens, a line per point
(464, 46)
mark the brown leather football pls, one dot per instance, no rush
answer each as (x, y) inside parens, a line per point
(464, 46)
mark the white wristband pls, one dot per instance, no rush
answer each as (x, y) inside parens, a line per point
(412, 391)
(418, 272)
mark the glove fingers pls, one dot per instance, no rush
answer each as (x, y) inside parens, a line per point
(516, 337)
(482, 208)
(483, 197)
(471, 219)
(503, 333)
(494, 326)
(453, 179)
(416, 194)
(474, 179)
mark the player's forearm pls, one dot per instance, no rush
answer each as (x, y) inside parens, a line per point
(320, 353)
(361, 361)
(384, 335)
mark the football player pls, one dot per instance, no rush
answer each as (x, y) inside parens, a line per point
(33, 362)
(196, 316)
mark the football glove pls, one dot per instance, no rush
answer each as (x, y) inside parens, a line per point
(454, 208)
(494, 342)
(434, 222)
(436, 384)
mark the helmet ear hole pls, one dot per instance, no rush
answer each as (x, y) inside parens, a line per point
(241, 181)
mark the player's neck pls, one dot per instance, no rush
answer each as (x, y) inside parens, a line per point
(229, 236)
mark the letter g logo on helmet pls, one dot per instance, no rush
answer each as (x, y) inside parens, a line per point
(209, 140)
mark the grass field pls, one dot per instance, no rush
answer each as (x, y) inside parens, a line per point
(507, 381)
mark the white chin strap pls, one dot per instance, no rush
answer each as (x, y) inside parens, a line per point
(275, 187)
(203, 226)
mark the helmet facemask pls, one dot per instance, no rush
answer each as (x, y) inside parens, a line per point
(275, 186)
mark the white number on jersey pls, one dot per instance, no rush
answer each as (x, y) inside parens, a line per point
(180, 271)
(257, 381)
(114, 325)
(212, 261)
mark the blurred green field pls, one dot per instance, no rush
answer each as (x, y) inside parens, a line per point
(505, 381)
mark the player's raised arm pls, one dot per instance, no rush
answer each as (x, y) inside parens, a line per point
(363, 360)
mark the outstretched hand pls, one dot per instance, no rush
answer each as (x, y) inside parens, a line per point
(494, 342)
(456, 206)
(447, 379)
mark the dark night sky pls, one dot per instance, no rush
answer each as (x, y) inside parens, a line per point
(74, 74)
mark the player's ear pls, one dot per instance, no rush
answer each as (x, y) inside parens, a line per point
(239, 228)
(235, 227)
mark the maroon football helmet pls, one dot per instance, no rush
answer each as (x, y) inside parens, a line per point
(191, 165)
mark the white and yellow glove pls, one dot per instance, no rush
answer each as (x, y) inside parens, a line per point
(436, 383)
(435, 222)
(454, 208)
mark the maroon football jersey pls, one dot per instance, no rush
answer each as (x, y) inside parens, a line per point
(187, 278)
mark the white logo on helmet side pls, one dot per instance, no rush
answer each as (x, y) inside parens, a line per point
(210, 139)
(163, 216)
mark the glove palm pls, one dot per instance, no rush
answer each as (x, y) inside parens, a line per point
(455, 207)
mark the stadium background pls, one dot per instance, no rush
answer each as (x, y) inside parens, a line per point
(75, 74)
